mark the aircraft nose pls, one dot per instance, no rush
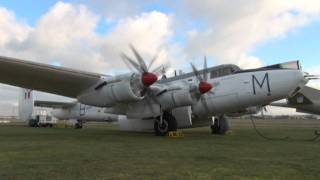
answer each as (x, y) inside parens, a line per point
(302, 80)
(299, 80)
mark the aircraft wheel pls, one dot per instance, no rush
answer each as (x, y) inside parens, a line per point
(221, 125)
(161, 129)
(214, 128)
(169, 124)
(78, 125)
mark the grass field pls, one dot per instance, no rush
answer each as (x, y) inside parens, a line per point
(100, 151)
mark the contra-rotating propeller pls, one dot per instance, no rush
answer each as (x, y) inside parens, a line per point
(147, 77)
(203, 86)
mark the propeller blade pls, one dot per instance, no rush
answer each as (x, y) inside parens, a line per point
(205, 69)
(139, 58)
(128, 65)
(313, 78)
(196, 72)
(160, 69)
(152, 61)
(147, 78)
(311, 75)
(128, 60)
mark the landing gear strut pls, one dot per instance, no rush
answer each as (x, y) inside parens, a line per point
(220, 125)
(168, 123)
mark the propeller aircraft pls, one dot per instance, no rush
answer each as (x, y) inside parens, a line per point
(148, 104)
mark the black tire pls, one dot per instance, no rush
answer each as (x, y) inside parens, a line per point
(221, 125)
(215, 128)
(224, 126)
(78, 125)
(161, 130)
(169, 124)
(33, 123)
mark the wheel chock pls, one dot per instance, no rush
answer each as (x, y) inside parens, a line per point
(175, 134)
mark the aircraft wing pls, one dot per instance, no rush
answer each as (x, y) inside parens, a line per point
(53, 104)
(47, 78)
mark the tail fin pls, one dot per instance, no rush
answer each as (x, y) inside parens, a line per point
(25, 104)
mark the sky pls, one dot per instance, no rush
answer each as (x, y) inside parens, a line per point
(89, 35)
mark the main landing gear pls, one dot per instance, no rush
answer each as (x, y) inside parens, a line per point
(221, 125)
(164, 124)
(79, 124)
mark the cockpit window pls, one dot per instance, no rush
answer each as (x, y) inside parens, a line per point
(290, 65)
(286, 65)
(223, 71)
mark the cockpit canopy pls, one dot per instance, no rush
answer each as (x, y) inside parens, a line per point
(286, 65)
(223, 70)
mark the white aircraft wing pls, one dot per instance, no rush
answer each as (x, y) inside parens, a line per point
(53, 104)
(47, 78)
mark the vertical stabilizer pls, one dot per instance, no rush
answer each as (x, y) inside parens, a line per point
(25, 104)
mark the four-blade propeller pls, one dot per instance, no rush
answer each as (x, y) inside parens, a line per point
(203, 86)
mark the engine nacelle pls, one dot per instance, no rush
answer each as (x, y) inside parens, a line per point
(183, 116)
(127, 90)
(175, 98)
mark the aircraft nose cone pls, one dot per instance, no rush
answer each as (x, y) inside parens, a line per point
(204, 87)
(149, 78)
(301, 78)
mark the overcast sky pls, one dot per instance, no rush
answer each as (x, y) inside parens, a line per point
(89, 35)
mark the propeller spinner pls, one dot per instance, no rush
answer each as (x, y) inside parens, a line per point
(203, 86)
(148, 78)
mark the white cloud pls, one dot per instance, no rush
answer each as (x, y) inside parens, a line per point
(234, 28)
(66, 35)
(149, 33)
(10, 28)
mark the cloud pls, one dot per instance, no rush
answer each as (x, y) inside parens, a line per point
(234, 28)
(66, 35)
(115, 10)
(11, 29)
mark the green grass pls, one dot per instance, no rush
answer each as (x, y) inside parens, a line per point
(100, 151)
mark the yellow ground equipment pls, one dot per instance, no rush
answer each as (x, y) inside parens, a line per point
(175, 134)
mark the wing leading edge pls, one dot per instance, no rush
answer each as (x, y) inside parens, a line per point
(47, 78)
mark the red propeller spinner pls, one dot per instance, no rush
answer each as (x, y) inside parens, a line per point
(203, 86)
(148, 77)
